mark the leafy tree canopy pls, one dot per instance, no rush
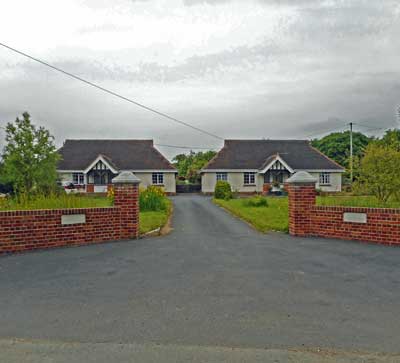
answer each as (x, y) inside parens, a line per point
(4, 187)
(379, 171)
(189, 165)
(337, 146)
(29, 157)
(391, 139)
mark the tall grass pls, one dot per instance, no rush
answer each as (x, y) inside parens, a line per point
(365, 201)
(53, 201)
(153, 199)
(155, 209)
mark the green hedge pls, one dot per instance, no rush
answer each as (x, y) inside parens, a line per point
(223, 190)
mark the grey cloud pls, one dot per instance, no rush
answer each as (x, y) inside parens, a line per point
(108, 27)
(210, 2)
(200, 66)
(70, 109)
(193, 67)
(335, 62)
(294, 3)
(345, 20)
(99, 4)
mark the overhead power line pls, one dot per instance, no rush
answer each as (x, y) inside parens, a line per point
(351, 152)
(326, 131)
(112, 92)
(360, 124)
(368, 127)
(371, 129)
(398, 114)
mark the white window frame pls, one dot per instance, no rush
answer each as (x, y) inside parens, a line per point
(251, 178)
(157, 178)
(78, 178)
(222, 176)
(324, 179)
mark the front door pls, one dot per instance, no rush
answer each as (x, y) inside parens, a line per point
(275, 176)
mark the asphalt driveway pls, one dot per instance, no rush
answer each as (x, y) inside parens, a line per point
(212, 282)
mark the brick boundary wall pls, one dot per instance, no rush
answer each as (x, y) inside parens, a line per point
(39, 229)
(379, 225)
(383, 225)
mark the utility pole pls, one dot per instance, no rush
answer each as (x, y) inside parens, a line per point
(398, 115)
(351, 152)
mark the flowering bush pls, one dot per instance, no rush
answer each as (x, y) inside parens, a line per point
(152, 199)
(111, 195)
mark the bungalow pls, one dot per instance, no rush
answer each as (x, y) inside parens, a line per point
(254, 166)
(90, 165)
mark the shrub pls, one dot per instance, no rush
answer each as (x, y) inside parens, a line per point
(223, 190)
(4, 202)
(111, 195)
(153, 199)
(256, 202)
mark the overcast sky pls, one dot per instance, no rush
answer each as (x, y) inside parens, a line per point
(237, 68)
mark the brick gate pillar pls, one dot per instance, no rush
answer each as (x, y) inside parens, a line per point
(302, 196)
(126, 197)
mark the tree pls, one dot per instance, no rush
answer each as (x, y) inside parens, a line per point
(189, 165)
(391, 139)
(379, 171)
(182, 163)
(337, 146)
(4, 187)
(29, 157)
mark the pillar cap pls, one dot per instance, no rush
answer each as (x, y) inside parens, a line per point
(126, 177)
(301, 177)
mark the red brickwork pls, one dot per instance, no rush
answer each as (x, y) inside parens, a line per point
(126, 197)
(90, 188)
(266, 188)
(383, 225)
(301, 198)
(308, 219)
(38, 229)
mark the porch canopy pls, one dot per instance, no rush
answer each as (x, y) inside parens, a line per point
(101, 171)
(275, 170)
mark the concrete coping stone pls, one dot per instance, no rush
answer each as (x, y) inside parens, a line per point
(126, 177)
(302, 177)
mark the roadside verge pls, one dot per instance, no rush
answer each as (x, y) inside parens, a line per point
(156, 223)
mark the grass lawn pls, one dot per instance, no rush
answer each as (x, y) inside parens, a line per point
(149, 221)
(275, 217)
(271, 218)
